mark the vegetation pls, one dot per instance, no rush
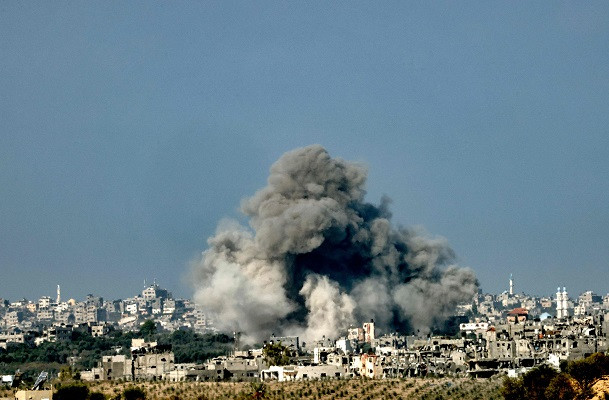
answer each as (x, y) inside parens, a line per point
(191, 347)
(344, 389)
(72, 391)
(561, 388)
(276, 354)
(134, 393)
(256, 391)
(588, 370)
(148, 329)
(545, 383)
(85, 351)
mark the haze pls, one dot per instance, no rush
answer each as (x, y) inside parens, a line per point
(128, 130)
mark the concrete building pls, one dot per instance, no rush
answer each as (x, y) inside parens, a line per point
(589, 298)
(80, 313)
(355, 334)
(153, 292)
(45, 314)
(156, 306)
(517, 315)
(345, 345)
(291, 342)
(369, 331)
(152, 362)
(296, 373)
(44, 302)
(15, 336)
(320, 354)
(148, 361)
(34, 395)
(115, 367)
(58, 333)
(370, 366)
(132, 308)
(98, 330)
(13, 318)
(95, 314)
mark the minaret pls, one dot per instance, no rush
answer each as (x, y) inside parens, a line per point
(58, 294)
(559, 312)
(511, 285)
(565, 303)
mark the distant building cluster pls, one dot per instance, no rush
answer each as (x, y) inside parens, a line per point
(53, 319)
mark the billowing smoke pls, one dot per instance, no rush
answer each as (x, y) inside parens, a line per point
(317, 259)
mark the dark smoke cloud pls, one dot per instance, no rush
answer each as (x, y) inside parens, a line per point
(317, 259)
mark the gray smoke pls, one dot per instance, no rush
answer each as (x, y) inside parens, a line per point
(317, 259)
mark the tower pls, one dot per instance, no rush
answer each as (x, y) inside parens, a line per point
(565, 303)
(58, 294)
(511, 285)
(559, 312)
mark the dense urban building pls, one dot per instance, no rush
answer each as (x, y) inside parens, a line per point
(504, 333)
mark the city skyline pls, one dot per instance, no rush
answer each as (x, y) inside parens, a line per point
(128, 131)
(150, 283)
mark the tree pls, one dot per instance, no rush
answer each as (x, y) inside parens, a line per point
(561, 388)
(97, 396)
(513, 389)
(257, 391)
(589, 369)
(276, 354)
(134, 393)
(74, 391)
(532, 385)
(68, 373)
(148, 329)
(537, 380)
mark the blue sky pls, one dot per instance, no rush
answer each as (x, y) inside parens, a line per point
(128, 130)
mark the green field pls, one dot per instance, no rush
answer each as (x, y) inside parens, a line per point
(360, 389)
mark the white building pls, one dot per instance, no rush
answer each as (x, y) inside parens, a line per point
(44, 302)
(297, 373)
(477, 327)
(562, 303)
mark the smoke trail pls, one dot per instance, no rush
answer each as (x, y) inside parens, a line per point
(317, 258)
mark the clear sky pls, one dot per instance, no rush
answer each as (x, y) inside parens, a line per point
(129, 129)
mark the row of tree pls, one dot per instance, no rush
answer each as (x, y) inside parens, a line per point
(574, 380)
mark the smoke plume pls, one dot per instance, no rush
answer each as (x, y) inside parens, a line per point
(317, 258)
